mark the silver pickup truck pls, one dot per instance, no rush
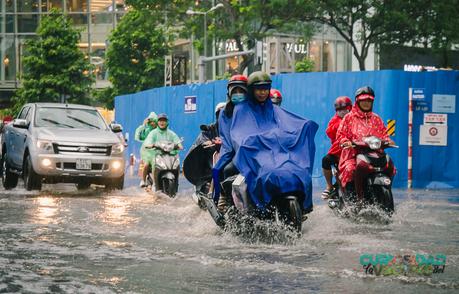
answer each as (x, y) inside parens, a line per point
(55, 143)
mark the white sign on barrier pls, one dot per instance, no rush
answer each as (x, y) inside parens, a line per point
(435, 135)
(444, 103)
(436, 118)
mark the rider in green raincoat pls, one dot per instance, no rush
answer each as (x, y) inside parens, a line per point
(161, 133)
(141, 133)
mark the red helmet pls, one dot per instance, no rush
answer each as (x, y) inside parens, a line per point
(237, 81)
(276, 96)
(343, 102)
(364, 93)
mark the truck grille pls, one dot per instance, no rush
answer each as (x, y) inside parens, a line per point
(82, 149)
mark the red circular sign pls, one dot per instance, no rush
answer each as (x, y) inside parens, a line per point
(433, 131)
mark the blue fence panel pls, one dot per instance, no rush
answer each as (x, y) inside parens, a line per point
(312, 95)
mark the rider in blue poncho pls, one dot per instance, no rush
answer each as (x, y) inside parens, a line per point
(271, 147)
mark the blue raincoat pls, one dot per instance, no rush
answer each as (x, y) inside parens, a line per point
(273, 149)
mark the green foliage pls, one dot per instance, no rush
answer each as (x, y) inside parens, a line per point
(104, 97)
(225, 76)
(54, 67)
(135, 56)
(305, 65)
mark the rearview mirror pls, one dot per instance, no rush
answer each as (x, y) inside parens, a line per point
(20, 123)
(116, 128)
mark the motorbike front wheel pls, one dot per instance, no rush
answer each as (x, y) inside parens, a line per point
(384, 198)
(168, 187)
(295, 219)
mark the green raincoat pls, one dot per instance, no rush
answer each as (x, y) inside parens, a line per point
(155, 136)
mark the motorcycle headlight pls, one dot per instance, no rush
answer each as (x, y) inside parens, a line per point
(117, 148)
(374, 143)
(45, 145)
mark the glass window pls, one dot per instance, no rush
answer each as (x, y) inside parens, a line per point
(340, 56)
(27, 23)
(315, 52)
(27, 6)
(9, 58)
(101, 18)
(9, 5)
(101, 5)
(9, 24)
(77, 5)
(22, 50)
(47, 5)
(329, 56)
(79, 19)
(98, 60)
(24, 112)
(69, 118)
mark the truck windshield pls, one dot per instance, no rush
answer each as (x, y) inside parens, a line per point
(69, 118)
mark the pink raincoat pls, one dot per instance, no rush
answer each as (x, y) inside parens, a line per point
(355, 126)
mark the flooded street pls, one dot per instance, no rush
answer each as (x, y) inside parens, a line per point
(133, 242)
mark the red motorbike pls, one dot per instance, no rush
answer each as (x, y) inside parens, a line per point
(378, 171)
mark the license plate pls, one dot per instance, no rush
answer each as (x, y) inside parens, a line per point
(83, 164)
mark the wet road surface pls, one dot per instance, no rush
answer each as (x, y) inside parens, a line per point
(66, 241)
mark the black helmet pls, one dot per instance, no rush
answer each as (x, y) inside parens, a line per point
(259, 78)
(366, 90)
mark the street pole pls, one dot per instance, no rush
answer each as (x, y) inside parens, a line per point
(205, 34)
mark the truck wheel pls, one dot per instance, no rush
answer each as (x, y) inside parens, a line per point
(9, 179)
(117, 183)
(32, 181)
(83, 185)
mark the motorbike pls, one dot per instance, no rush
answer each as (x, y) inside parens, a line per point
(166, 172)
(378, 180)
(198, 162)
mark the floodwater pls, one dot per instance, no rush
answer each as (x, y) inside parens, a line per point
(64, 241)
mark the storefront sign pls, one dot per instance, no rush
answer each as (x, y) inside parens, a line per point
(297, 48)
(435, 135)
(444, 103)
(190, 104)
(435, 118)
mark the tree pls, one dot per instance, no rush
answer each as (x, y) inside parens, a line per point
(135, 55)
(430, 24)
(245, 21)
(252, 20)
(360, 23)
(54, 67)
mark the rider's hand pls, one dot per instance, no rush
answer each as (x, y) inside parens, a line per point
(217, 141)
(207, 143)
(346, 144)
(390, 142)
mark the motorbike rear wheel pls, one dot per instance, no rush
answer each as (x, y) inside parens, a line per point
(383, 195)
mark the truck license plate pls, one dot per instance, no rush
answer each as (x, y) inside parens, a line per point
(83, 164)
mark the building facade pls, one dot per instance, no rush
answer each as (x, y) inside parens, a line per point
(19, 20)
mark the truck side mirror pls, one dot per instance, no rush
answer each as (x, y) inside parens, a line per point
(20, 123)
(116, 128)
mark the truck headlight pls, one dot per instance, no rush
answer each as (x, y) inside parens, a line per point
(45, 145)
(117, 148)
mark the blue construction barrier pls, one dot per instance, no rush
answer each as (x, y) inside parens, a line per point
(312, 95)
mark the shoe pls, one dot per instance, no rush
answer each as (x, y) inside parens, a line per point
(325, 194)
(142, 184)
